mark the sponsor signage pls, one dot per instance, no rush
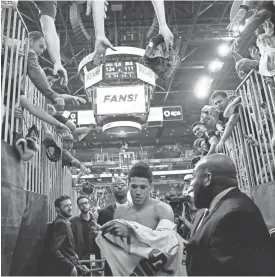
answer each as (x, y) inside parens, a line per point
(81, 117)
(94, 76)
(74, 117)
(120, 100)
(146, 74)
(172, 113)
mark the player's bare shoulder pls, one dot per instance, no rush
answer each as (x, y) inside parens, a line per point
(163, 210)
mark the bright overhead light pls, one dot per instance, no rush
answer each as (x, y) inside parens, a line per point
(238, 29)
(202, 86)
(223, 49)
(215, 65)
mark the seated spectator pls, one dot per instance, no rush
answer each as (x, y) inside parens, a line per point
(209, 136)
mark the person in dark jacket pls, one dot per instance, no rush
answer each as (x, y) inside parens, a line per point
(64, 260)
(120, 190)
(231, 237)
(82, 229)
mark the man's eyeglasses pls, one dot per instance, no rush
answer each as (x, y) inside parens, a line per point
(120, 185)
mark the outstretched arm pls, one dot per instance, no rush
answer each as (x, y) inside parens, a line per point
(53, 45)
(163, 27)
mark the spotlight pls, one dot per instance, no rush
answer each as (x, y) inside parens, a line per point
(223, 49)
(202, 86)
(215, 65)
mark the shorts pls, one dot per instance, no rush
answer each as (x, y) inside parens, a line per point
(47, 8)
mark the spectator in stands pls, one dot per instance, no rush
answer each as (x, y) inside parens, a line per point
(265, 11)
(69, 123)
(67, 157)
(47, 14)
(82, 229)
(220, 100)
(37, 46)
(200, 146)
(61, 241)
(25, 103)
(209, 137)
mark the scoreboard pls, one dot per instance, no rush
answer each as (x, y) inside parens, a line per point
(119, 70)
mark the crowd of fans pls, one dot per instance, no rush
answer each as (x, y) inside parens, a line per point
(220, 117)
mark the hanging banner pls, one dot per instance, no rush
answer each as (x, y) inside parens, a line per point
(146, 74)
(120, 100)
(94, 76)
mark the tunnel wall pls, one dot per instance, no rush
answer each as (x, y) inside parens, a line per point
(264, 197)
(24, 218)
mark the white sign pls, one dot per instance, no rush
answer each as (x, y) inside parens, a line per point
(94, 76)
(120, 100)
(155, 114)
(146, 74)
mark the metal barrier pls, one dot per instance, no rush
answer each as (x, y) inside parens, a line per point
(251, 143)
(14, 49)
(41, 175)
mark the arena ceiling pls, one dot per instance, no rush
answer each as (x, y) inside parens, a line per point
(199, 26)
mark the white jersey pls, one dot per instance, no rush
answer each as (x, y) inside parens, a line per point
(146, 253)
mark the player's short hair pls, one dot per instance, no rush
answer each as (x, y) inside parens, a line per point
(81, 197)
(196, 123)
(36, 35)
(141, 170)
(60, 199)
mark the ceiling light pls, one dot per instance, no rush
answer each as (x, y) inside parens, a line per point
(238, 29)
(223, 49)
(173, 130)
(202, 86)
(215, 65)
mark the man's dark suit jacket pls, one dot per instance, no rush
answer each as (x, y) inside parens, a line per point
(76, 226)
(61, 247)
(232, 240)
(105, 216)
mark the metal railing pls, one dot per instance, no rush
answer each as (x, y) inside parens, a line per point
(41, 175)
(14, 50)
(250, 145)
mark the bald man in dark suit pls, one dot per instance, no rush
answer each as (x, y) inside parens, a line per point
(231, 237)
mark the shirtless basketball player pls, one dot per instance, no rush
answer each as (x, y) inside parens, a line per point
(143, 210)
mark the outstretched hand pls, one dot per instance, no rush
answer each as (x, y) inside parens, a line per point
(60, 70)
(167, 35)
(101, 45)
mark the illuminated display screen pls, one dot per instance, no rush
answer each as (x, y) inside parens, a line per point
(120, 70)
